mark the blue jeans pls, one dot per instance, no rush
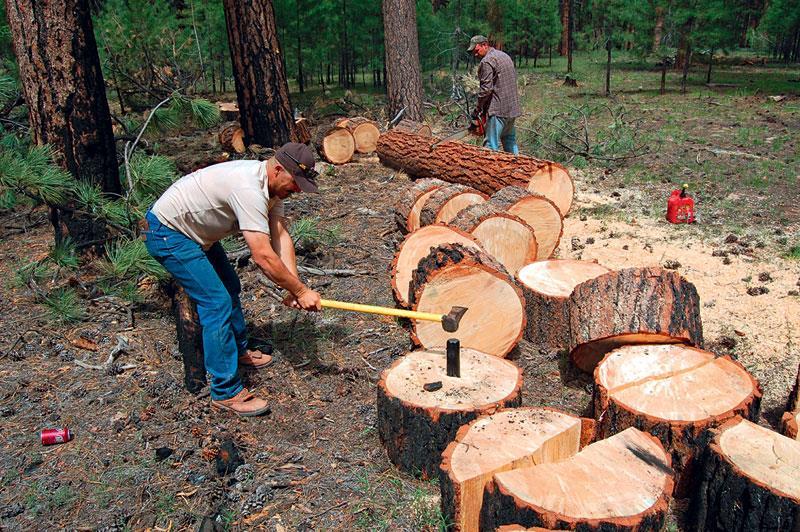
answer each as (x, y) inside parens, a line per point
(211, 282)
(501, 130)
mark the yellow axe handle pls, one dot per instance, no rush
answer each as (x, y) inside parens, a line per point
(385, 311)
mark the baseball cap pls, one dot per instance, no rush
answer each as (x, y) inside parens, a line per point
(475, 40)
(298, 159)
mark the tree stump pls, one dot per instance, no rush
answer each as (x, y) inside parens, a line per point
(504, 236)
(483, 169)
(411, 202)
(750, 482)
(335, 144)
(417, 246)
(190, 339)
(228, 111)
(455, 275)
(538, 212)
(620, 483)
(447, 201)
(415, 128)
(547, 286)
(791, 419)
(301, 131)
(509, 439)
(628, 307)
(365, 132)
(415, 425)
(231, 137)
(675, 393)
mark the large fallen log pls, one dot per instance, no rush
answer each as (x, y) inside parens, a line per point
(791, 419)
(231, 137)
(504, 236)
(509, 439)
(547, 286)
(415, 425)
(411, 201)
(676, 393)
(480, 168)
(417, 246)
(447, 201)
(620, 483)
(415, 128)
(365, 132)
(454, 275)
(538, 211)
(335, 144)
(631, 306)
(751, 481)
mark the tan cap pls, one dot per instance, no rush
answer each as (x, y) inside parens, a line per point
(476, 40)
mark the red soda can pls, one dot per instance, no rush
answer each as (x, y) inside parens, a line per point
(54, 436)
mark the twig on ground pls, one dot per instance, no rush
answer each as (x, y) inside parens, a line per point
(122, 346)
(735, 153)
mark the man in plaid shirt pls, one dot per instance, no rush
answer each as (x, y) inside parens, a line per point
(498, 97)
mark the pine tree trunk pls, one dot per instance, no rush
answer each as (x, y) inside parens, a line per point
(63, 86)
(608, 67)
(710, 64)
(564, 46)
(258, 71)
(403, 78)
(658, 30)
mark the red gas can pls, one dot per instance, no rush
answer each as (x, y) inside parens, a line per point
(680, 207)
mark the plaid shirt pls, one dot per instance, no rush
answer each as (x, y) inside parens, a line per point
(498, 93)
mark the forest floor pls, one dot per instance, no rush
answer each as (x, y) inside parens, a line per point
(315, 461)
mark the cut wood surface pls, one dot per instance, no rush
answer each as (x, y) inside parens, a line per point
(302, 131)
(676, 393)
(231, 137)
(506, 440)
(751, 481)
(455, 275)
(791, 419)
(228, 111)
(631, 306)
(415, 425)
(504, 236)
(547, 286)
(411, 201)
(620, 483)
(365, 132)
(447, 201)
(538, 211)
(417, 246)
(480, 168)
(416, 128)
(335, 144)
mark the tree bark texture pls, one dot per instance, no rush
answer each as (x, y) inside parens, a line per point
(417, 128)
(447, 201)
(190, 340)
(261, 87)
(791, 419)
(647, 305)
(411, 202)
(403, 78)
(483, 169)
(63, 86)
(565, 12)
(231, 138)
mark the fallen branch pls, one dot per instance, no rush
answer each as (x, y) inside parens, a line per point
(734, 153)
(121, 347)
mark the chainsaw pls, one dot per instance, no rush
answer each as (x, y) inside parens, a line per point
(476, 127)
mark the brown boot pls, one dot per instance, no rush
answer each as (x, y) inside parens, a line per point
(243, 403)
(255, 359)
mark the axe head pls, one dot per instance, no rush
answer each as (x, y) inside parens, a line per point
(451, 320)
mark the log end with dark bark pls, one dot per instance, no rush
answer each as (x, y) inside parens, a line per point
(365, 133)
(190, 340)
(412, 199)
(335, 144)
(538, 212)
(446, 202)
(415, 426)
(231, 138)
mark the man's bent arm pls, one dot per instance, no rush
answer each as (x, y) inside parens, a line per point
(271, 264)
(282, 243)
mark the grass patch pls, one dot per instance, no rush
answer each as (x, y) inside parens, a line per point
(794, 252)
(64, 305)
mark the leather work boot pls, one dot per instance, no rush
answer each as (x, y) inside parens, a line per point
(243, 403)
(255, 359)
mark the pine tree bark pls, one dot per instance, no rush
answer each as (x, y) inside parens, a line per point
(261, 87)
(63, 86)
(564, 45)
(403, 78)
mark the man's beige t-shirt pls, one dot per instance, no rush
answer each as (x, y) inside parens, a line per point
(218, 201)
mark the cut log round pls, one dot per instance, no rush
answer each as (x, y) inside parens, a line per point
(335, 144)
(301, 132)
(454, 275)
(416, 128)
(231, 137)
(751, 481)
(415, 425)
(547, 286)
(446, 202)
(791, 419)
(620, 483)
(504, 236)
(417, 246)
(480, 168)
(228, 111)
(509, 439)
(365, 132)
(411, 202)
(628, 307)
(675, 393)
(538, 211)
